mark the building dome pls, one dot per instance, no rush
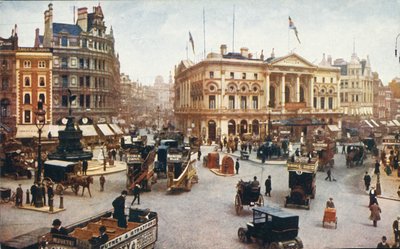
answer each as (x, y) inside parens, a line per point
(159, 80)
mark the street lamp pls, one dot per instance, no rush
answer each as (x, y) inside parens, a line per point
(158, 117)
(40, 120)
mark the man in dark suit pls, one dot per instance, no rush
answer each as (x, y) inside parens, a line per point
(103, 237)
(396, 231)
(57, 228)
(367, 180)
(268, 186)
(34, 189)
(119, 209)
(84, 167)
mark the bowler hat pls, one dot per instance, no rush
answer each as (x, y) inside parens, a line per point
(56, 222)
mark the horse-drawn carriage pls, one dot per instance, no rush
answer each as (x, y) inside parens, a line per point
(64, 175)
(326, 150)
(355, 154)
(302, 186)
(247, 195)
(268, 150)
(17, 165)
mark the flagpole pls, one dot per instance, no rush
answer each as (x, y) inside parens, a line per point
(233, 31)
(187, 54)
(288, 40)
(204, 33)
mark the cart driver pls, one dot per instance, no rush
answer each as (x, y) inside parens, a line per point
(255, 184)
(330, 204)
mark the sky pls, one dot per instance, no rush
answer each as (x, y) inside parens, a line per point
(151, 36)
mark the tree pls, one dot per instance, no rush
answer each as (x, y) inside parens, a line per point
(395, 88)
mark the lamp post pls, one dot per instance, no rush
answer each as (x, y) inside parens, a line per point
(395, 50)
(158, 117)
(40, 120)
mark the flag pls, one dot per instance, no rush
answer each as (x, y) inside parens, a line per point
(291, 26)
(191, 41)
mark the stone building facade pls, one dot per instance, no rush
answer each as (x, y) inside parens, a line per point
(85, 62)
(235, 94)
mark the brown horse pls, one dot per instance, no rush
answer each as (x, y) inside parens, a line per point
(83, 181)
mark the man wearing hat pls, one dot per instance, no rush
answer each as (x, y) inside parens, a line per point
(119, 209)
(329, 203)
(57, 228)
(396, 231)
(19, 196)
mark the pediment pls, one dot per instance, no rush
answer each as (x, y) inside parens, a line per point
(185, 64)
(292, 60)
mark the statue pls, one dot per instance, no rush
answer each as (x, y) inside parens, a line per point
(70, 99)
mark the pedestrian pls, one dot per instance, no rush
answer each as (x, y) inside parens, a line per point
(19, 196)
(102, 181)
(343, 149)
(367, 180)
(377, 170)
(136, 194)
(198, 154)
(268, 186)
(121, 154)
(328, 175)
(329, 203)
(375, 213)
(103, 237)
(49, 136)
(396, 231)
(383, 243)
(237, 166)
(119, 209)
(114, 154)
(84, 167)
(372, 196)
(250, 147)
(57, 228)
(50, 192)
(34, 189)
(43, 192)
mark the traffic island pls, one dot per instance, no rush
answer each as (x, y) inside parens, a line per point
(44, 209)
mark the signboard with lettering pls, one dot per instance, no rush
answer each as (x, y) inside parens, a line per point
(294, 106)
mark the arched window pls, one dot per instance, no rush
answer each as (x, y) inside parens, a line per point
(231, 127)
(255, 124)
(27, 98)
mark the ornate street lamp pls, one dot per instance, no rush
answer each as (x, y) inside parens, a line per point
(158, 117)
(40, 121)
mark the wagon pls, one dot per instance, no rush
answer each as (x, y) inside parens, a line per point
(16, 165)
(329, 217)
(5, 195)
(326, 150)
(246, 195)
(61, 174)
(355, 154)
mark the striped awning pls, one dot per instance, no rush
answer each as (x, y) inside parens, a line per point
(88, 130)
(375, 123)
(105, 129)
(116, 129)
(368, 123)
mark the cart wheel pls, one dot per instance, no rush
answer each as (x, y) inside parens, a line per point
(59, 188)
(260, 201)
(29, 174)
(6, 199)
(238, 204)
(242, 235)
(188, 184)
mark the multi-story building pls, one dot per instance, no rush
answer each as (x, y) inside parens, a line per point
(356, 87)
(8, 90)
(85, 62)
(234, 93)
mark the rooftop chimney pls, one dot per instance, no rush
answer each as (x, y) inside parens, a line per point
(37, 41)
(223, 49)
(250, 56)
(244, 52)
(82, 18)
(48, 27)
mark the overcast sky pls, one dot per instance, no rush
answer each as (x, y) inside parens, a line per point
(151, 36)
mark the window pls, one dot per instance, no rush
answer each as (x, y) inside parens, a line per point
(64, 41)
(322, 102)
(331, 80)
(330, 103)
(323, 79)
(27, 64)
(27, 99)
(64, 101)
(341, 97)
(27, 81)
(315, 79)
(211, 102)
(42, 98)
(315, 102)
(231, 102)
(81, 81)
(255, 102)
(87, 101)
(5, 110)
(27, 116)
(4, 83)
(64, 79)
(232, 74)
(64, 62)
(81, 63)
(243, 102)
(243, 76)
(211, 75)
(42, 81)
(4, 65)
(255, 76)
(42, 64)
(81, 100)
(84, 43)
(356, 98)
(87, 81)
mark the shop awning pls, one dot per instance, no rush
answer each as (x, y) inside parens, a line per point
(390, 123)
(54, 130)
(375, 123)
(368, 123)
(397, 123)
(105, 129)
(116, 129)
(30, 131)
(88, 130)
(333, 128)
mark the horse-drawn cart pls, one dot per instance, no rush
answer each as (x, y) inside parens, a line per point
(355, 154)
(63, 175)
(247, 195)
(326, 150)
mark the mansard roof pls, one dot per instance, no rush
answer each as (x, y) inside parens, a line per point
(71, 29)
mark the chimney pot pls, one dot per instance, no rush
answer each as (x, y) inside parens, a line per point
(244, 52)
(223, 49)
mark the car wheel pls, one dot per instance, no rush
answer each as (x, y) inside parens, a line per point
(242, 235)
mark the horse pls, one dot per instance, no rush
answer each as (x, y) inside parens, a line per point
(83, 181)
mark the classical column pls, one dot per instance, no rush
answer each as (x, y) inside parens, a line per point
(312, 93)
(188, 94)
(267, 93)
(283, 92)
(221, 103)
(298, 88)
